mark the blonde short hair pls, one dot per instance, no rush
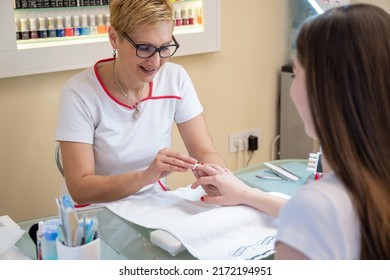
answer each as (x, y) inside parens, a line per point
(127, 15)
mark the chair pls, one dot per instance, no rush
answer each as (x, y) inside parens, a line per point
(58, 158)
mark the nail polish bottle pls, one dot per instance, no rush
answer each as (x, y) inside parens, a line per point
(51, 31)
(42, 31)
(33, 29)
(68, 27)
(46, 4)
(108, 23)
(191, 20)
(76, 26)
(17, 30)
(199, 15)
(179, 21)
(92, 25)
(85, 30)
(184, 17)
(101, 28)
(60, 28)
(24, 4)
(32, 4)
(23, 29)
(18, 4)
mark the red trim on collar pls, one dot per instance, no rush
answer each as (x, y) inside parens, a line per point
(107, 91)
(165, 97)
(150, 95)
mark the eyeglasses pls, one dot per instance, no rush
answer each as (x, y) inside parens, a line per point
(146, 51)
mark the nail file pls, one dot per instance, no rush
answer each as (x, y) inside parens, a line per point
(282, 171)
(69, 221)
(166, 241)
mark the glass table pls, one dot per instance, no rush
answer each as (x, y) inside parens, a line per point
(122, 239)
(257, 176)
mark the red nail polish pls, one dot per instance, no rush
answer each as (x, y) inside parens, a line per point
(202, 198)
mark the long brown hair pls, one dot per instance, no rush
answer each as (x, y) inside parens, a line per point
(346, 56)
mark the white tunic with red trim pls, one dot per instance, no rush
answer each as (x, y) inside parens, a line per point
(88, 113)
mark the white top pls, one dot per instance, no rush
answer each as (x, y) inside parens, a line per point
(88, 113)
(321, 222)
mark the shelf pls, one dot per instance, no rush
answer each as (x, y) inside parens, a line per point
(64, 41)
(34, 56)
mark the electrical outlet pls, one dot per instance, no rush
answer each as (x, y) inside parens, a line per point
(238, 141)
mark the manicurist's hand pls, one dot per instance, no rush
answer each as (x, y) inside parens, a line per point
(168, 161)
(222, 186)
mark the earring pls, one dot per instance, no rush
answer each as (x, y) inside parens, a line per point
(114, 53)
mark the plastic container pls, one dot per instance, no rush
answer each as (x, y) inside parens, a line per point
(48, 244)
(89, 251)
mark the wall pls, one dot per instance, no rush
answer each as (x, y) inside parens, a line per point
(238, 87)
(385, 4)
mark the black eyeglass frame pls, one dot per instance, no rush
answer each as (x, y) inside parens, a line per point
(137, 46)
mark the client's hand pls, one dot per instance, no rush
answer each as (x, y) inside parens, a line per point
(222, 186)
(209, 189)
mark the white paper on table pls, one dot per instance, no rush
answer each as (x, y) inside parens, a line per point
(207, 231)
(10, 233)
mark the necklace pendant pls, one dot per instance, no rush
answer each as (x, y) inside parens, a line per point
(136, 113)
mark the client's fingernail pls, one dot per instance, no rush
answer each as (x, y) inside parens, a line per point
(202, 198)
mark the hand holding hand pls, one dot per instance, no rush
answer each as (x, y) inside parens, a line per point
(222, 186)
(168, 161)
(209, 189)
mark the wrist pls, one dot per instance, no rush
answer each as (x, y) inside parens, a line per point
(144, 178)
(248, 196)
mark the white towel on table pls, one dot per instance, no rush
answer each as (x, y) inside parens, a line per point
(208, 232)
